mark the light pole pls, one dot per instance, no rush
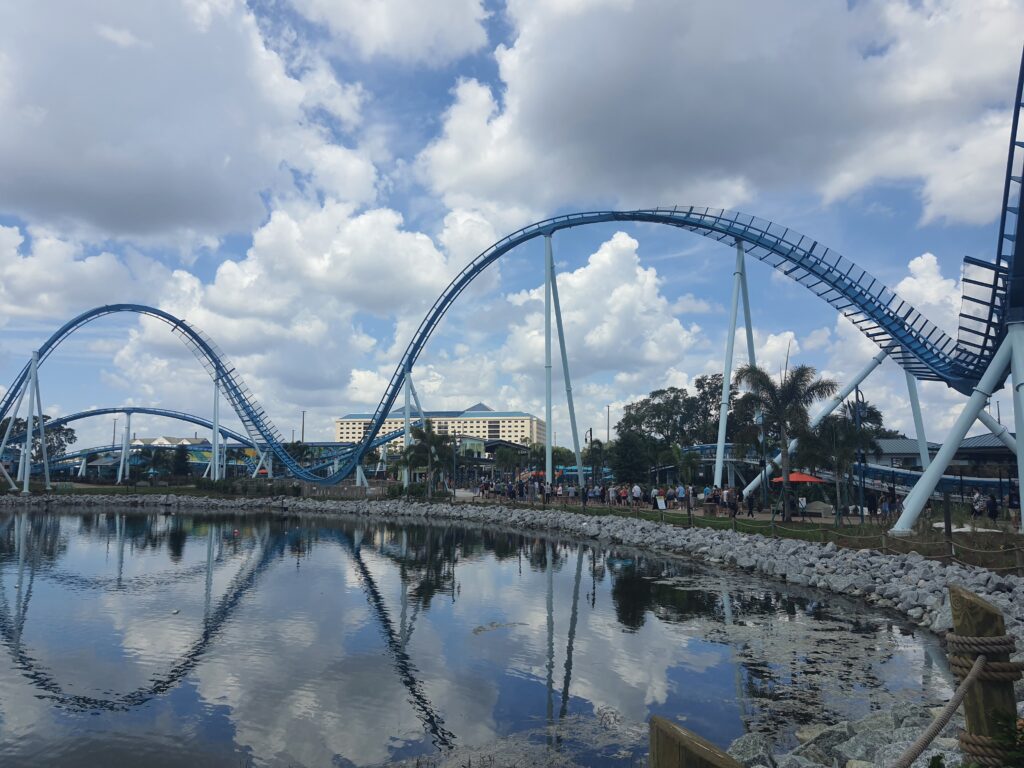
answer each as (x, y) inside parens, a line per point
(859, 404)
(608, 425)
(113, 434)
(302, 434)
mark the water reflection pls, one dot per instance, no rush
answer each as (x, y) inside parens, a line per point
(282, 641)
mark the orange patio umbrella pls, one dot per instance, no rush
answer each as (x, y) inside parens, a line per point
(799, 477)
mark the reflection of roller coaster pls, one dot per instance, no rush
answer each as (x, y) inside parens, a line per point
(992, 306)
(267, 549)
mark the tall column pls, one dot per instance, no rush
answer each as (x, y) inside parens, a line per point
(42, 426)
(26, 456)
(1001, 433)
(923, 488)
(407, 439)
(1015, 335)
(548, 473)
(215, 438)
(830, 406)
(730, 339)
(7, 436)
(915, 407)
(565, 365)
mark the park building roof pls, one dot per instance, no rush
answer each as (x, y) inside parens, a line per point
(903, 445)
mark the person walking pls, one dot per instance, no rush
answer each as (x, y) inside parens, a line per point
(637, 493)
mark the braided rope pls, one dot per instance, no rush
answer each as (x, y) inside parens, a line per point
(942, 719)
(984, 750)
(961, 644)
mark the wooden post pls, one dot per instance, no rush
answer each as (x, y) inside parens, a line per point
(734, 523)
(1019, 559)
(990, 705)
(675, 747)
(947, 527)
(885, 549)
(823, 536)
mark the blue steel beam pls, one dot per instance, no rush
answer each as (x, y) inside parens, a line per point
(911, 340)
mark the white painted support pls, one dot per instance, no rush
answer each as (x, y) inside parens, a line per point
(259, 464)
(214, 467)
(416, 400)
(751, 356)
(7, 436)
(83, 466)
(26, 456)
(830, 406)
(1002, 434)
(915, 407)
(730, 341)
(923, 488)
(407, 438)
(549, 475)
(1015, 336)
(565, 368)
(42, 426)
(361, 477)
(123, 469)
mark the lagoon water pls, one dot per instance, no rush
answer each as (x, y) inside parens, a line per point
(136, 639)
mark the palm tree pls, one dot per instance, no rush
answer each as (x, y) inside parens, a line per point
(784, 405)
(428, 445)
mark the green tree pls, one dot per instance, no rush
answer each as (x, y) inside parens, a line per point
(784, 404)
(429, 447)
(179, 463)
(630, 457)
(506, 459)
(57, 438)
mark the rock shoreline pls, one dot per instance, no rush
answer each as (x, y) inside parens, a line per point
(906, 583)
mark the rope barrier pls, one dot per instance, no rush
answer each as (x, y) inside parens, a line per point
(983, 750)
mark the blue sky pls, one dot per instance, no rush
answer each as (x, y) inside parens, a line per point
(301, 178)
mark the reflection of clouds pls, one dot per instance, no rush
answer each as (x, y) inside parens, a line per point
(300, 673)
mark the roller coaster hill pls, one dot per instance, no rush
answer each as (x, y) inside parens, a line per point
(988, 348)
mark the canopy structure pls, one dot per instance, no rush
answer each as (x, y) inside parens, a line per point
(799, 477)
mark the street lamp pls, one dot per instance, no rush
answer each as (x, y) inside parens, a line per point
(302, 434)
(860, 410)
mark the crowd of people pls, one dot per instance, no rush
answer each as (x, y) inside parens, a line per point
(880, 508)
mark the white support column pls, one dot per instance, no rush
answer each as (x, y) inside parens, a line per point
(215, 436)
(830, 406)
(407, 439)
(361, 477)
(1015, 336)
(42, 427)
(548, 471)
(923, 488)
(1002, 434)
(13, 414)
(915, 407)
(127, 446)
(26, 456)
(83, 466)
(751, 358)
(122, 465)
(259, 464)
(730, 340)
(565, 366)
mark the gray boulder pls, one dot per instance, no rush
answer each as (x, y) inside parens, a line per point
(752, 749)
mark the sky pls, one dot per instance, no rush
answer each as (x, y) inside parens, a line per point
(302, 178)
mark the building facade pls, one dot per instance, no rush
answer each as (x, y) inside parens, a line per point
(478, 421)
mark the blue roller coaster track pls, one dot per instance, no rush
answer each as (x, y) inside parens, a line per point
(993, 293)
